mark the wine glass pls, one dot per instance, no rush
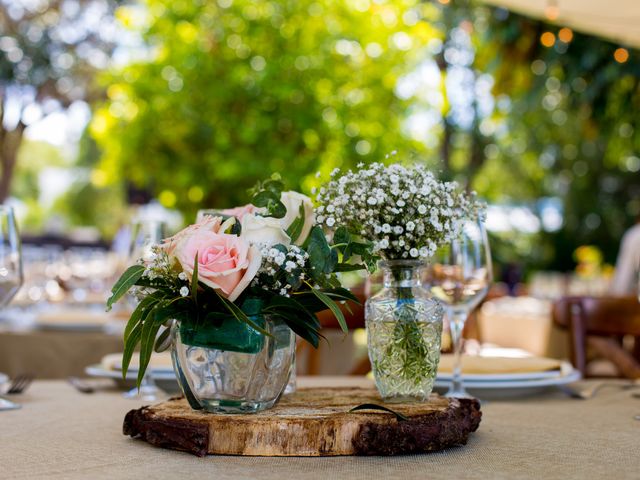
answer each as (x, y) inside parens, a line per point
(460, 275)
(144, 235)
(11, 276)
(206, 212)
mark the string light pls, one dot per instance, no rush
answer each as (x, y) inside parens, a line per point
(565, 35)
(548, 39)
(552, 11)
(621, 55)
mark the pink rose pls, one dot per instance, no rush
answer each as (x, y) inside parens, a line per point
(240, 212)
(208, 224)
(226, 262)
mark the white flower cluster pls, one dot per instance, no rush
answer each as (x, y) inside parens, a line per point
(405, 211)
(279, 268)
(156, 262)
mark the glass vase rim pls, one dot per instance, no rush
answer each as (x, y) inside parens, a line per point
(404, 262)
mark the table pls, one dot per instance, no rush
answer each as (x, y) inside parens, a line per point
(54, 354)
(61, 433)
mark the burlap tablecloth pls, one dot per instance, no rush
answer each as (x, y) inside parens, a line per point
(54, 354)
(61, 433)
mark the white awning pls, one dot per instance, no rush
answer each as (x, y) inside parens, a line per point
(615, 20)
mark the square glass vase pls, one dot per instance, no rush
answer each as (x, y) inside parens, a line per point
(231, 367)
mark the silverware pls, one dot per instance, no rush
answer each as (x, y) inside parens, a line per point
(8, 405)
(81, 385)
(19, 384)
(585, 393)
(582, 393)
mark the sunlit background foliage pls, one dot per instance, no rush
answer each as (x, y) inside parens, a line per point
(196, 100)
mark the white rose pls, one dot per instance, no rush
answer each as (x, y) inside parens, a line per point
(293, 200)
(266, 231)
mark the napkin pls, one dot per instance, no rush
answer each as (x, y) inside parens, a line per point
(496, 365)
(159, 361)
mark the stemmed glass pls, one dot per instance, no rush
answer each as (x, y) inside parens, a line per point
(144, 235)
(11, 276)
(460, 275)
(204, 212)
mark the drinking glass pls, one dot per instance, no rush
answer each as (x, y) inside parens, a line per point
(144, 235)
(460, 275)
(204, 212)
(11, 276)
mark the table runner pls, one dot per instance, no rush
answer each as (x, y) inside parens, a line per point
(61, 433)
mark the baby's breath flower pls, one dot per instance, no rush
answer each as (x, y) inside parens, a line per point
(184, 291)
(404, 211)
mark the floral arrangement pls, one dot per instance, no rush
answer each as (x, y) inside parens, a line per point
(268, 257)
(405, 212)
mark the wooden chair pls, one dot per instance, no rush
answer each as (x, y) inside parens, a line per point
(600, 323)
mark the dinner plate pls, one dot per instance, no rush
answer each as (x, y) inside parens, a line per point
(165, 380)
(501, 377)
(511, 388)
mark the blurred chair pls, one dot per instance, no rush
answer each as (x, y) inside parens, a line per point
(354, 319)
(600, 324)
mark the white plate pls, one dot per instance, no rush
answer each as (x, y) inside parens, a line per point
(3, 378)
(165, 380)
(501, 377)
(513, 388)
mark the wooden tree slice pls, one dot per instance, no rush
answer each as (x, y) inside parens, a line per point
(311, 422)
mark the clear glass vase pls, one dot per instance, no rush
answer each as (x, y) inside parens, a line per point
(404, 329)
(232, 368)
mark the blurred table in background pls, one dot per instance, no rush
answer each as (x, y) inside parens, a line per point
(54, 354)
(55, 341)
(522, 322)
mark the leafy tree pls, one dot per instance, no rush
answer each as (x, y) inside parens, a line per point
(49, 52)
(567, 128)
(233, 91)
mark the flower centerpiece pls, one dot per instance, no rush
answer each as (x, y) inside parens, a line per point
(406, 214)
(232, 291)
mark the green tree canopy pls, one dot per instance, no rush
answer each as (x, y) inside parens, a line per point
(233, 91)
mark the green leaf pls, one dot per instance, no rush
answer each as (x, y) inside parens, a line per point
(302, 330)
(271, 201)
(240, 315)
(130, 345)
(150, 329)
(274, 186)
(333, 307)
(162, 343)
(124, 283)
(295, 229)
(194, 281)
(348, 267)
(319, 253)
(138, 314)
(373, 406)
(343, 294)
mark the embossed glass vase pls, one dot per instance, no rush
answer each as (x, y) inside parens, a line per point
(230, 367)
(404, 328)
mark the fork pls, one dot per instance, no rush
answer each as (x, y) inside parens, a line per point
(80, 385)
(8, 405)
(590, 391)
(19, 384)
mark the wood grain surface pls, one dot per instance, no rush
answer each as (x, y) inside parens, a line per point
(311, 422)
